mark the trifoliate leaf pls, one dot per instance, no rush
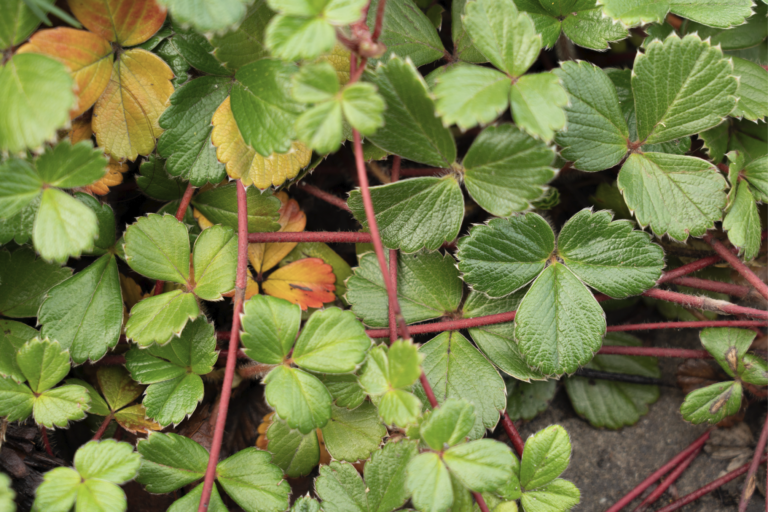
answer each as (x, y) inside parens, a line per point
(332, 341)
(320, 127)
(503, 35)
(107, 460)
(215, 262)
(85, 312)
(453, 367)
(712, 403)
(462, 42)
(700, 96)
(293, 38)
(207, 16)
(556, 496)
(269, 328)
(341, 488)
(547, 454)
(58, 406)
(244, 44)
(37, 94)
(611, 404)
(609, 255)
(470, 95)
(537, 103)
(583, 23)
(58, 491)
(43, 362)
(428, 286)
(307, 282)
(399, 407)
(596, 135)
(157, 319)
(429, 482)
(170, 461)
(410, 126)
(296, 454)
(526, 400)
(157, 246)
(18, 23)
(449, 424)
(263, 106)
(298, 397)
(13, 335)
(16, 400)
(26, 279)
(414, 214)
(753, 98)
(64, 227)
(69, 166)
(505, 169)
(728, 346)
(99, 406)
(253, 482)
(353, 435)
(219, 205)
(676, 195)
(129, 26)
(21, 185)
(716, 13)
(187, 121)
(484, 465)
(407, 33)
(517, 248)
(363, 107)
(158, 184)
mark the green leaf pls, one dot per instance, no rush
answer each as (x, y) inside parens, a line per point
(410, 129)
(547, 454)
(609, 255)
(715, 13)
(106, 220)
(100, 496)
(215, 262)
(428, 286)
(537, 103)
(26, 279)
(315, 83)
(17, 24)
(293, 38)
(169, 462)
(118, 387)
(517, 248)
(526, 400)
(43, 362)
(68, 166)
(187, 123)
(484, 465)
(56, 407)
(178, 64)
(755, 370)
(353, 435)
(244, 44)
(503, 35)
(557, 496)
(505, 169)
(712, 403)
(156, 319)
(756, 173)
(21, 185)
(305, 504)
(37, 92)
(589, 28)
(205, 15)
(64, 227)
(407, 33)
(107, 460)
(399, 407)
(296, 454)
(253, 481)
(156, 183)
(344, 388)
(157, 246)
(298, 397)
(596, 135)
(363, 107)
(470, 95)
(99, 406)
(676, 195)
(7, 494)
(385, 476)
(414, 214)
(753, 96)
(219, 205)
(454, 368)
(742, 222)
(332, 341)
(13, 335)
(85, 312)
(429, 482)
(559, 324)
(320, 127)
(269, 328)
(745, 36)
(728, 346)
(172, 401)
(16, 400)
(698, 97)
(610, 404)
(388, 369)
(449, 424)
(58, 490)
(192, 500)
(462, 43)
(263, 106)
(341, 488)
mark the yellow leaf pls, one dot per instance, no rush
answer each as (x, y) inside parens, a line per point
(201, 219)
(81, 130)
(125, 119)
(292, 220)
(339, 59)
(114, 176)
(308, 283)
(251, 287)
(244, 163)
(132, 293)
(134, 419)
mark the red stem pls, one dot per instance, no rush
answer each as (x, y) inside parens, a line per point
(707, 488)
(719, 306)
(325, 196)
(378, 27)
(712, 286)
(677, 459)
(234, 341)
(480, 501)
(348, 237)
(673, 476)
(690, 268)
(654, 352)
(102, 428)
(512, 433)
(394, 176)
(686, 325)
(180, 212)
(737, 264)
(451, 325)
(46, 442)
(749, 485)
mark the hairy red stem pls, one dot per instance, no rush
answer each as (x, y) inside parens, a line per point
(686, 325)
(180, 212)
(46, 442)
(102, 428)
(234, 341)
(349, 237)
(690, 268)
(712, 286)
(671, 478)
(749, 485)
(674, 461)
(379, 23)
(719, 306)
(480, 501)
(707, 488)
(451, 325)
(654, 352)
(394, 176)
(512, 433)
(325, 196)
(158, 287)
(737, 264)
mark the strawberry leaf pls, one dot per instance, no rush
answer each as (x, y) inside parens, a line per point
(298, 397)
(26, 279)
(332, 341)
(270, 326)
(157, 319)
(352, 435)
(157, 246)
(219, 205)
(296, 454)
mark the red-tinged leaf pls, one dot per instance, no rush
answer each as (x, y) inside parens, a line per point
(307, 282)
(88, 56)
(292, 220)
(127, 22)
(125, 117)
(134, 419)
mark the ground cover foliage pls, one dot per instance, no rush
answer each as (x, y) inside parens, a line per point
(172, 172)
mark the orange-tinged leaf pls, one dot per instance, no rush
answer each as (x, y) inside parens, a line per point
(125, 117)
(81, 130)
(114, 176)
(127, 22)
(292, 220)
(325, 457)
(87, 55)
(134, 419)
(245, 164)
(307, 282)
(132, 293)
(251, 287)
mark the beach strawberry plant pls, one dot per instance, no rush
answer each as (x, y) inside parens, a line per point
(272, 255)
